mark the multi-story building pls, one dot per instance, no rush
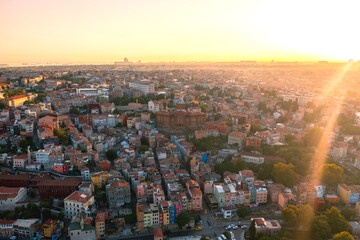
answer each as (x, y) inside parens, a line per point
(99, 179)
(26, 228)
(61, 168)
(100, 225)
(77, 202)
(118, 193)
(20, 161)
(140, 211)
(261, 195)
(143, 86)
(88, 91)
(59, 189)
(18, 101)
(237, 138)
(348, 194)
(42, 156)
(195, 194)
(10, 196)
(180, 119)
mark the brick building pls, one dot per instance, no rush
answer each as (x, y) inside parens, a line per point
(180, 119)
(58, 188)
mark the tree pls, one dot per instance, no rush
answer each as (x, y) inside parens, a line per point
(312, 137)
(243, 212)
(252, 231)
(144, 141)
(289, 215)
(331, 174)
(62, 135)
(320, 229)
(255, 128)
(3, 105)
(305, 214)
(343, 236)
(183, 218)
(74, 110)
(144, 148)
(337, 221)
(285, 174)
(348, 213)
(239, 164)
(111, 155)
(281, 119)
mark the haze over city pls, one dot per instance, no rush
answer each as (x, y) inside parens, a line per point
(91, 31)
(179, 120)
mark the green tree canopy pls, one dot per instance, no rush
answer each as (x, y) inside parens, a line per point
(255, 128)
(252, 231)
(183, 218)
(243, 212)
(320, 229)
(111, 155)
(343, 236)
(312, 137)
(337, 221)
(74, 110)
(289, 215)
(348, 213)
(331, 174)
(285, 174)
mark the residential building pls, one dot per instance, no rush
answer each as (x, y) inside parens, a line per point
(145, 87)
(237, 138)
(77, 202)
(100, 225)
(266, 228)
(118, 193)
(348, 194)
(80, 228)
(99, 179)
(26, 228)
(9, 197)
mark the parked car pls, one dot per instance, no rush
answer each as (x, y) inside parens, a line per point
(243, 226)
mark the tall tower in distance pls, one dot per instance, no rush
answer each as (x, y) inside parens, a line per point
(29, 155)
(126, 60)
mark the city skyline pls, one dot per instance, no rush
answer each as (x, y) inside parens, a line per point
(160, 31)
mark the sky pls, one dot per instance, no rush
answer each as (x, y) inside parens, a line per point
(93, 31)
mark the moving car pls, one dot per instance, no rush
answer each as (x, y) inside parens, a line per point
(198, 228)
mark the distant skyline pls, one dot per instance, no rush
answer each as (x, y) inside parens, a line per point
(88, 31)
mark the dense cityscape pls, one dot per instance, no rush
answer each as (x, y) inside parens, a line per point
(179, 151)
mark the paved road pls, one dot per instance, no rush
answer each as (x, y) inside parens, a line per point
(215, 226)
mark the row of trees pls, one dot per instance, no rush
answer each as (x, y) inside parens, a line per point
(304, 222)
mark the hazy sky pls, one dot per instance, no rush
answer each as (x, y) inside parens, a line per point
(187, 30)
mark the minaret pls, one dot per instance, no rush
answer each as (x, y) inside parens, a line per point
(29, 155)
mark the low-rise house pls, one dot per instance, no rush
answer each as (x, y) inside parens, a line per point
(266, 228)
(80, 228)
(26, 228)
(6, 227)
